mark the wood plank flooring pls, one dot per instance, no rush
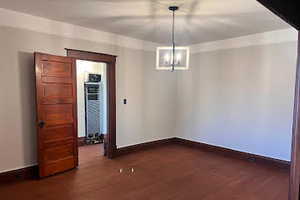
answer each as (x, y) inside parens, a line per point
(171, 172)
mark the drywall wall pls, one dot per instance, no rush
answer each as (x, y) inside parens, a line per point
(240, 98)
(151, 107)
(148, 92)
(83, 68)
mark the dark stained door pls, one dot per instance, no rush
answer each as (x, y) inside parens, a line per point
(56, 114)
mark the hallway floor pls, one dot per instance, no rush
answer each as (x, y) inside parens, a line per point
(171, 172)
(88, 153)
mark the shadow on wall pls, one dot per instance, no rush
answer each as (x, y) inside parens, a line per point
(27, 103)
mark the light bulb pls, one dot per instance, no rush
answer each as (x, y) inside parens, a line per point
(178, 58)
(167, 59)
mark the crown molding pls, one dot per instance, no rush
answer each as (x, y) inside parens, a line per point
(42, 25)
(272, 37)
(20, 20)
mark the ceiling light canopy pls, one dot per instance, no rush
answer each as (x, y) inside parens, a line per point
(172, 57)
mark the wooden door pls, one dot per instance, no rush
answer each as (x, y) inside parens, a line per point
(56, 113)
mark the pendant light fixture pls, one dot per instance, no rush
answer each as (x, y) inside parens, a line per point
(172, 57)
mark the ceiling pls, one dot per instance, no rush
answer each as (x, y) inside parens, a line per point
(197, 20)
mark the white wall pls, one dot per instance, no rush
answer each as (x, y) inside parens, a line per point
(148, 92)
(240, 96)
(83, 68)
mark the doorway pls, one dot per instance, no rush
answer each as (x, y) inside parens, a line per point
(109, 61)
(91, 82)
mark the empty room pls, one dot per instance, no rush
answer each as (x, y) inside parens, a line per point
(149, 99)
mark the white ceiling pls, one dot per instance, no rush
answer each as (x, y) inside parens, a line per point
(197, 20)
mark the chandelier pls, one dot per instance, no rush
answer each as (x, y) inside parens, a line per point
(172, 57)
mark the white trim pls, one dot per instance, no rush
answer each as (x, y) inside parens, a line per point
(170, 68)
(17, 168)
(42, 25)
(272, 37)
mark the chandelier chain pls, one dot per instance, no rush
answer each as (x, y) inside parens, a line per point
(173, 41)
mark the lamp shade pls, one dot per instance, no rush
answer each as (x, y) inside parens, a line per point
(164, 58)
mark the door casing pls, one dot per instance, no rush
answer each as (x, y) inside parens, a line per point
(110, 60)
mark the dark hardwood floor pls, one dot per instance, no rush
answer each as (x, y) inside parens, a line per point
(171, 172)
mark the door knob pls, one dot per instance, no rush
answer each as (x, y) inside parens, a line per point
(41, 124)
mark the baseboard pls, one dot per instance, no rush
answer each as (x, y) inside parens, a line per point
(205, 147)
(234, 153)
(19, 174)
(144, 146)
(32, 172)
(81, 141)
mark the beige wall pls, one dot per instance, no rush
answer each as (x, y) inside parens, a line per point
(147, 116)
(240, 98)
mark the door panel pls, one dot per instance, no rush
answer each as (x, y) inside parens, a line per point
(56, 114)
(57, 133)
(59, 166)
(58, 90)
(57, 100)
(57, 69)
(49, 79)
(56, 152)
